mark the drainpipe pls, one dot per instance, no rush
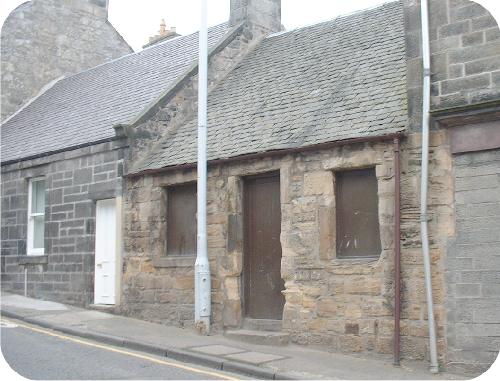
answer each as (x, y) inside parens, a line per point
(397, 252)
(202, 282)
(424, 9)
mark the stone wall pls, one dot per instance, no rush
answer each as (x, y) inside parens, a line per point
(74, 180)
(465, 67)
(180, 105)
(42, 40)
(473, 263)
(263, 13)
(338, 304)
(465, 55)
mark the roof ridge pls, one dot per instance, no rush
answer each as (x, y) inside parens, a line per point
(139, 52)
(342, 16)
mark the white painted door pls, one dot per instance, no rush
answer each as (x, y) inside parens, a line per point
(105, 252)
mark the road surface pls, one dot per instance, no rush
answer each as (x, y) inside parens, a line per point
(38, 353)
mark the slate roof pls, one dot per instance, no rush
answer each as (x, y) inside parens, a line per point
(84, 107)
(336, 80)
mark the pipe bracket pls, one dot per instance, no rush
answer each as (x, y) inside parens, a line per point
(425, 218)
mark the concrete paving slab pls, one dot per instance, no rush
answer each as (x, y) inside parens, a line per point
(72, 318)
(217, 350)
(19, 301)
(254, 357)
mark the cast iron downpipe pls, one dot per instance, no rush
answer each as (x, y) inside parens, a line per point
(202, 283)
(397, 251)
(426, 94)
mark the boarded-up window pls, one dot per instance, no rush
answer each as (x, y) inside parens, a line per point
(181, 220)
(358, 233)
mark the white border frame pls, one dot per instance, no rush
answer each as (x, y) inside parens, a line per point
(30, 250)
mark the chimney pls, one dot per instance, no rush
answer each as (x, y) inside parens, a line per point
(164, 34)
(98, 8)
(101, 7)
(260, 14)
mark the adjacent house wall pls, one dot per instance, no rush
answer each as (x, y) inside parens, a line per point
(42, 40)
(473, 263)
(465, 55)
(74, 181)
(465, 69)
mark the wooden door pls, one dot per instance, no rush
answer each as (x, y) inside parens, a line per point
(262, 260)
(105, 252)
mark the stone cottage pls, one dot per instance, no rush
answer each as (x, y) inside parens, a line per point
(308, 136)
(58, 37)
(314, 170)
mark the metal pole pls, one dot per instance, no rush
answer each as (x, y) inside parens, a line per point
(434, 368)
(397, 252)
(25, 280)
(202, 266)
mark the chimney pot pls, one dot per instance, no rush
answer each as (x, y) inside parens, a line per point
(164, 33)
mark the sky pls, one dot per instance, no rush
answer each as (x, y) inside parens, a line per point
(137, 20)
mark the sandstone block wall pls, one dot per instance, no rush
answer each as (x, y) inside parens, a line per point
(338, 304)
(74, 180)
(42, 40)
(180, 106)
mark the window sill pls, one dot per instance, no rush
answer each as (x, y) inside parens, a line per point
(354, 260)
(38, 259)
(184, 261)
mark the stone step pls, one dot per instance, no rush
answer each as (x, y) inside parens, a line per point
(263, 325)
(109, 308)
(258, 337)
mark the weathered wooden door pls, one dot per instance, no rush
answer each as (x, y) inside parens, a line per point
(262, 260)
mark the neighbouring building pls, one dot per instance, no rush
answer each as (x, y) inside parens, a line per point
(43, 40)
(306, 128)
(62, 166)
(163, 34)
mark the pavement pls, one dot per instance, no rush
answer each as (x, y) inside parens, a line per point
(215, 351)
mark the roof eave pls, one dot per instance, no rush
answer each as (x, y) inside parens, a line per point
(272, 153)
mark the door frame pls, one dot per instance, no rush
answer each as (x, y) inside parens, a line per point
(118, 247)
(244, 180)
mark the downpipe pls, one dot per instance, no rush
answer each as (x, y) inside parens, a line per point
(397, 252)
(424, 8)
(202, 282)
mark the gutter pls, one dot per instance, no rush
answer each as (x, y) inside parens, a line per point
(434, 368)
(272, 153)
(66, 149)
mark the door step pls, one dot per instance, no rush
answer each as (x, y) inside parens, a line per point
(268, 325)
(110, 308)
(258, 337)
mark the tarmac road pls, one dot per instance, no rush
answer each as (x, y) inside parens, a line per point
(38, 353)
